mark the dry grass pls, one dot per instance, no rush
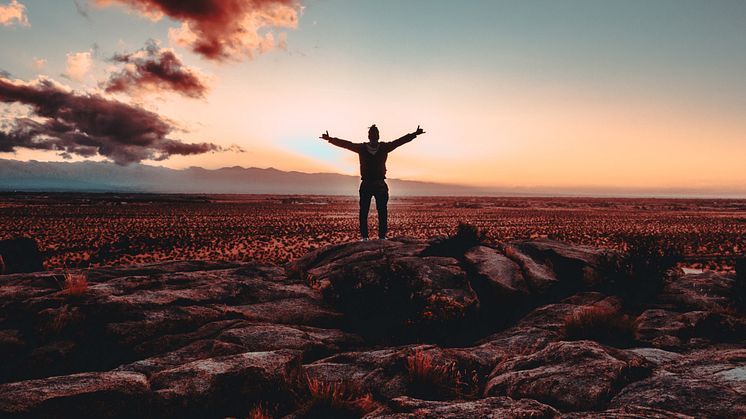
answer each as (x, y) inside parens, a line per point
(276, 230)
(75, 284)
(602, 324)
(337, 400)
(433, 381)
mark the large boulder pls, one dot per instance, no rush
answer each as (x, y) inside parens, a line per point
(709, 291)
(20, 255)
(388, 292)
(679, 331)
(708, 383)
(580, 375)
(578, 265)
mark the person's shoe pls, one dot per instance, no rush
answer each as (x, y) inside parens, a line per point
(364, 239)
(382, 238)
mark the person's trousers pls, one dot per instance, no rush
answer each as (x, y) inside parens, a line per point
(379, 190)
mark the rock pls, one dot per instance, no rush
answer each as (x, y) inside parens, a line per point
(536, 329)
(656, 356)
(580, 375)
(503, 285)
(573, 264)
(628, 412)
(707, 383)
(540, 279)
(100, 394)
(227, 385)
(706, 291)
(216, 339)
(20, 255)
(337, 254)
(388, 293)
(386, 374)
(491, 407)
(313, 342)
(678, 331)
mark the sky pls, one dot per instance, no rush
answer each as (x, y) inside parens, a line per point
(570, 96)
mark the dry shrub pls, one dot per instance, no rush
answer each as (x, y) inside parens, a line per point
(602, 324)
(431, 381)
(75, 284)
(337, 400)
(647, 262)
(466, 237)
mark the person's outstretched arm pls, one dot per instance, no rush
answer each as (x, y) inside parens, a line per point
(340, 142)
(405, 139)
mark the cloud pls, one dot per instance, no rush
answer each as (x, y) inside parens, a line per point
(88, 124)
(155, 69)
(39, 63)
(222, 29)
(13, 13)
(78, 65)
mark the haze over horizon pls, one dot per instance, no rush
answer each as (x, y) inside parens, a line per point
(571, 96)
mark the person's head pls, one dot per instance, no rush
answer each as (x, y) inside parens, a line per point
(373, 133)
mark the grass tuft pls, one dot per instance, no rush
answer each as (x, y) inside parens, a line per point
(75, 284)
(432, 381)
(601, 324)
(337, 400)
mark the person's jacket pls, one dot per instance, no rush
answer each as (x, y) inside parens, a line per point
(372, 159)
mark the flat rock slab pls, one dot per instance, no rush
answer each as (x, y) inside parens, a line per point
(706, 383)
(491, 407)
(226, 385)
(98, 394)
(581, 375)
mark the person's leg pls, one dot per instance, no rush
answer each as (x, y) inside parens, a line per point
(365, 196)
(382, 200)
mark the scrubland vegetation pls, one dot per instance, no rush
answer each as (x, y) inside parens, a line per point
(98, 230)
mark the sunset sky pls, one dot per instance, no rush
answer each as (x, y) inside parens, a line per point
(575, 95)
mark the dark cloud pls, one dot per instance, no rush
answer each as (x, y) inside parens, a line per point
(87, 125)
(153, 68)
(221, 29)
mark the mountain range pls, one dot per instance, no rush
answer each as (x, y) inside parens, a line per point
(90, 176)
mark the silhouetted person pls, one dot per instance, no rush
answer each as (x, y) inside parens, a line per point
(373, 156)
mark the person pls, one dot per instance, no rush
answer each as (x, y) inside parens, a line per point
(373, 156)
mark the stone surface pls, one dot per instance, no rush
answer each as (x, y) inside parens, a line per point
(704, 383)
(580, 375)
(491, 407)
(99, 394)
(414, 331)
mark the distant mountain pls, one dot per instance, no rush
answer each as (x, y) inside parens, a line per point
(35, 176)
(108, 177)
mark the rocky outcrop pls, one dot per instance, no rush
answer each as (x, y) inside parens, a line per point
(397, 329)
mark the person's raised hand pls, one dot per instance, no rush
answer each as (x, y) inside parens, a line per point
(419, 131)
(325, 136)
